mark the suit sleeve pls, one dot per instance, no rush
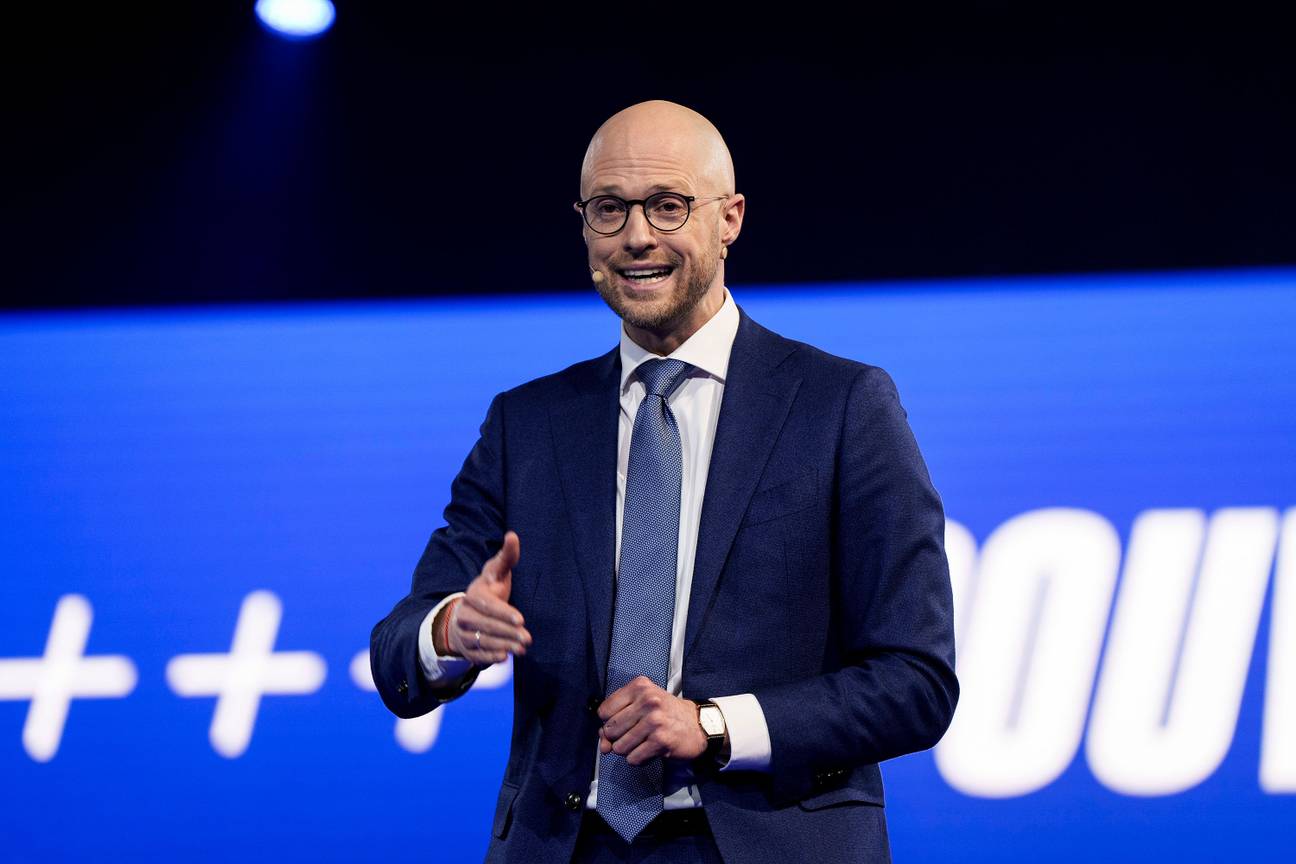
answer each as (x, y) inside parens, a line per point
(896, 690)
(455, 553)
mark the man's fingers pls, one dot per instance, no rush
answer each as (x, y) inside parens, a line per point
(491, 606)
(627, 741)
(468, 630)
(615, 725)
(620, 723)
(491, 650)
(612, 705)
(486, 606)
(493, 644)
(638, 688)
(483, 657)
(468, 621)
(644, 752)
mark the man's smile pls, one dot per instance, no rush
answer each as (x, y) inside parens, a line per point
(642, 276)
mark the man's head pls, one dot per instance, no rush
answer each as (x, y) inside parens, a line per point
(647, 148)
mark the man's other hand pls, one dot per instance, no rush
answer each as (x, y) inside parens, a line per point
(641, 720)
(484, 628)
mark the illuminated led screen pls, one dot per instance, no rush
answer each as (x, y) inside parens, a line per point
(204, 512)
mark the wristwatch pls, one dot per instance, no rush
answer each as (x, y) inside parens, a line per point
(713, 726)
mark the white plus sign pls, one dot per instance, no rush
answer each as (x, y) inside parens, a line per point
(251, 669)
(418, 734)
(63, 674)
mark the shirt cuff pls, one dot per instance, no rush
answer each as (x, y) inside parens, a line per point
(749, 740)
(439, 668)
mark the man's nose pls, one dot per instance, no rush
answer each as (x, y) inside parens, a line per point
(637, 234)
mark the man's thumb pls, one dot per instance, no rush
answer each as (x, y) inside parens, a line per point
(499, 569)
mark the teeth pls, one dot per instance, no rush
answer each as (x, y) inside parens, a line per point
(650, 280)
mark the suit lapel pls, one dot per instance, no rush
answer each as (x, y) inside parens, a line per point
(585, 447)
(752, 412)
(754, 407)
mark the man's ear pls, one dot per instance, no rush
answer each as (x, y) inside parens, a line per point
(732, 217)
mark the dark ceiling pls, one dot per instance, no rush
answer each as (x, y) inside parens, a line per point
(187, 156)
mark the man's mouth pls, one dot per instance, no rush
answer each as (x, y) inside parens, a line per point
(646, 275)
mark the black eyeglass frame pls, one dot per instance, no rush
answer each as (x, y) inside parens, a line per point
(643, 202)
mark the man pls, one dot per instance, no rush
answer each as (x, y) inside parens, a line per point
(715, 554)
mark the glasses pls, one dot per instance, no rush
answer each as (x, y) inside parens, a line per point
(665, 211)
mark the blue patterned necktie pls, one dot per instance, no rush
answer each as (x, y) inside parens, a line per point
(630, 796)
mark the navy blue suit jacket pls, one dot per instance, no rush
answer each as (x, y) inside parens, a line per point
(820, 585)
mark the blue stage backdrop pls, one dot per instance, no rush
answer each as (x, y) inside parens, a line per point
(204, 511)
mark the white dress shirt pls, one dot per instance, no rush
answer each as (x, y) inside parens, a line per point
(695, 403)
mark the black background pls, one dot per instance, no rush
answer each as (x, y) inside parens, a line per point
(181, 154)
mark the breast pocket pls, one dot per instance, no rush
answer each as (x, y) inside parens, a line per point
(782, 498)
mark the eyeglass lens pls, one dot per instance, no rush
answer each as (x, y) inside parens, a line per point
(666, 211)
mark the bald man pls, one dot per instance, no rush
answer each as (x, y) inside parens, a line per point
(715, 554)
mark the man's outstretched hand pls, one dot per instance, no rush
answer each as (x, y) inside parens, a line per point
(485, 609)
(641, 720)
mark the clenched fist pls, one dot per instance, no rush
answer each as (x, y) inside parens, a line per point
(641, 720)
(484, 628)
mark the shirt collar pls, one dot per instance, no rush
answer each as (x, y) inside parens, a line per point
(708, 349)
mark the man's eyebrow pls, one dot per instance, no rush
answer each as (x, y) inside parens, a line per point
(614, 189)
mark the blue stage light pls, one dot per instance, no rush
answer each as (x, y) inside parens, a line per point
(296, 19)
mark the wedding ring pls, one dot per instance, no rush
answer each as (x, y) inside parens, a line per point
(478, 640)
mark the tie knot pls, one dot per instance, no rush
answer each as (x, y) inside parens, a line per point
(662, 376)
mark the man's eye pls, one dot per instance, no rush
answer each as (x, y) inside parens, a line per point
(608, 208)
(668, 208)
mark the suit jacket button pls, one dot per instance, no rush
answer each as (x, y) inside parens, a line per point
(593, 704)
(573, 801)
(402, 687)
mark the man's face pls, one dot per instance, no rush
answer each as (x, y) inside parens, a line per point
(691, 253)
